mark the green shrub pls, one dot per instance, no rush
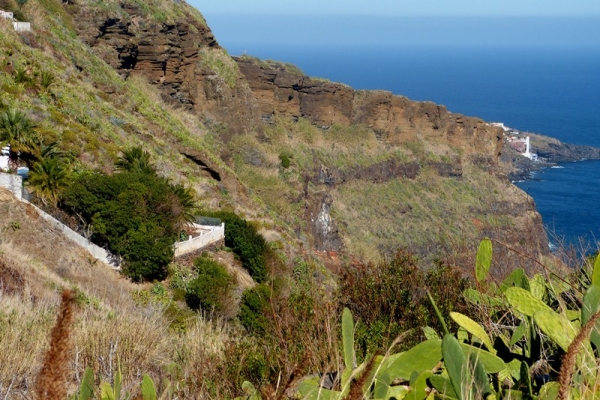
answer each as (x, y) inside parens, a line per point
(389, 298)
(248, 244)
(254, 308)
(285, 160)
(135, 215)
(211, 289)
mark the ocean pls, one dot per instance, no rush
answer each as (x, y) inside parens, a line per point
(552, 90)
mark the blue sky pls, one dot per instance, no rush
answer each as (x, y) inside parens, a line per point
(402, 7)
(255, 25)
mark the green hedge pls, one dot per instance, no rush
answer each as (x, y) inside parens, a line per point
(211, 289)
(248, 244)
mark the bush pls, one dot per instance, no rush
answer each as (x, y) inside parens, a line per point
(135, 215)
(254, 308)
(248, 244)
(390, 297)
(211, 289)
(285, 160)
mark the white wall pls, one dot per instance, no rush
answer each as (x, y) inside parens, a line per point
(96, 251)
(12, 182)
(208, 235)
(22, 26)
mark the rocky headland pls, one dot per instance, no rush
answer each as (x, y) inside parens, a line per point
(549, 151)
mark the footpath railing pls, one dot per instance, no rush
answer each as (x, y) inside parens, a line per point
(207, 235)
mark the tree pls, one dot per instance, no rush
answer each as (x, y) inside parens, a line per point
(48, 178)
(18, 131)
(187, 204)
(135, 159)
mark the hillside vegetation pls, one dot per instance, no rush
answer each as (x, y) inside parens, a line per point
(134, 122)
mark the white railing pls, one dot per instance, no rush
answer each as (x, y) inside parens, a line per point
(207, 235)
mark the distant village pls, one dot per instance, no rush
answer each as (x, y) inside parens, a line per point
(515, 139)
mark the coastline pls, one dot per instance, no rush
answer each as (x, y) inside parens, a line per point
(550, 153)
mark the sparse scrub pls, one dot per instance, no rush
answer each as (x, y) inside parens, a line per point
(389, 298)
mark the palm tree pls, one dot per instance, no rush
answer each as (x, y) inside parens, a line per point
(19, 132)
(186, 212)
(48, 178)
(135, 159)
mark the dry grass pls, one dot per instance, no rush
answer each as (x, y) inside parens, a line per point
(24, 328)
(36, 263)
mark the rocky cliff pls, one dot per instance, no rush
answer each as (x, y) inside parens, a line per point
(181, 57)
(394, 119)
(366, 172)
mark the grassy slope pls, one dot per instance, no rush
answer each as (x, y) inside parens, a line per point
(89, 123)
(430, 214)
(93, 126)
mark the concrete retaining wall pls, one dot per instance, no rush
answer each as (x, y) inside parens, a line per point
(12, 182)
(22, 26)
(96, 251)
(208, 235)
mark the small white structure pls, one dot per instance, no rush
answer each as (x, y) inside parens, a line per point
(12, 182)
(528, 153)
(4, 152)
(22, 26)
(206, 235)
(500, 125)
(18, 26)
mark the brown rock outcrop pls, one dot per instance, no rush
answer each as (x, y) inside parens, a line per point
(175, 57)
(394, 119)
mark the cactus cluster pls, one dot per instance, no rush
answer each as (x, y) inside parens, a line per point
(105, 391)
(533, 344)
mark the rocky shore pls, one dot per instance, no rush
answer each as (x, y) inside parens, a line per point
(550, 151)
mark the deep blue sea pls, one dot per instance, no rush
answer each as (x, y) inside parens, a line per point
(551, 90)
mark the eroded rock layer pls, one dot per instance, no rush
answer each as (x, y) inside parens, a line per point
(395, 119)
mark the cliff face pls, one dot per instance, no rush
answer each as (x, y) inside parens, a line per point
(394, 119)
(181, 57)
(367, 172)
